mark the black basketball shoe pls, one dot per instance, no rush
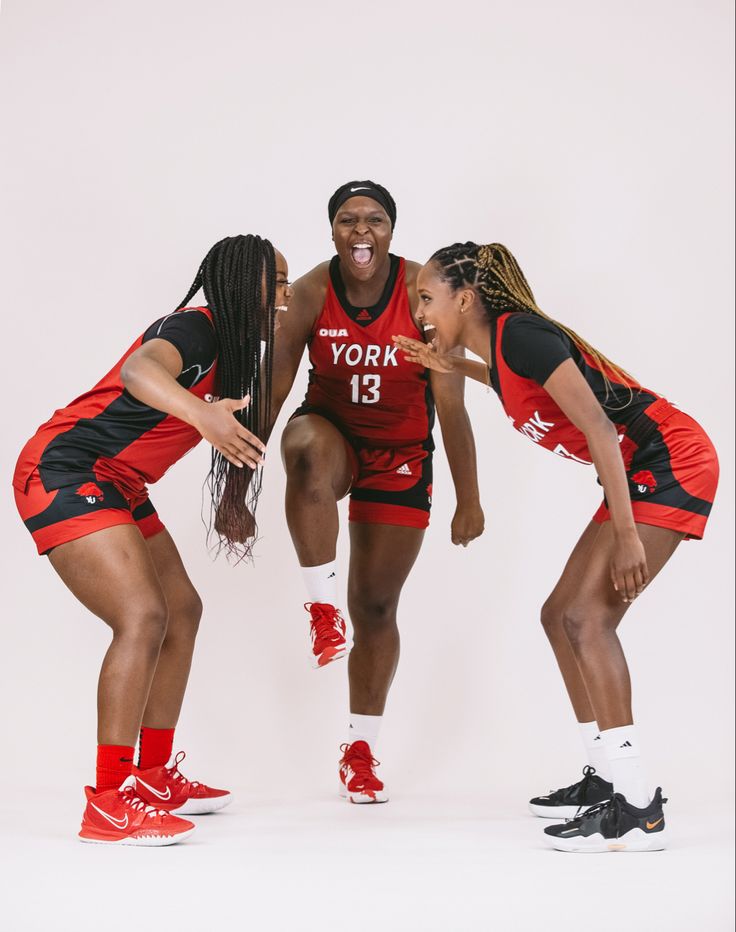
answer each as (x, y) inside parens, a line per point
(613, 826)
(567, 802)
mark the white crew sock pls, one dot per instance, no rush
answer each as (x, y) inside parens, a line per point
(594, 749)
(624, 758)
(321, 582)
(364, 728)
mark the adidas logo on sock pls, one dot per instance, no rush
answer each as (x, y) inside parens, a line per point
(626, 744)
(597, 738)
(331, 576)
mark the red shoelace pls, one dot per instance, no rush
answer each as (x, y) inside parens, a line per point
(177, 775)
(361, 762)
(327, 623)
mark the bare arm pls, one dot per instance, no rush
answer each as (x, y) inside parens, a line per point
(293, 334)
(457, 436)
(427, 355)
(568, 388)
(457, 433)
(150, 375)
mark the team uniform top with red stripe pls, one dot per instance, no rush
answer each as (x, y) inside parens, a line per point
(670, 462)
(358, 376)
(110, 434)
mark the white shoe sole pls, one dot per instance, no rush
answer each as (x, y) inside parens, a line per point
(635, 840)
(316, 665)
(203, 806)
(559, 813)
(142, 842)
(361, 798)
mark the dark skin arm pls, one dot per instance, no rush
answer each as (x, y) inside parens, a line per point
(150, 374)
(567, 387)
(457, 436)
(296, 324)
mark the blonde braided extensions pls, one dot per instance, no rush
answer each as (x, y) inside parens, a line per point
(493, 272)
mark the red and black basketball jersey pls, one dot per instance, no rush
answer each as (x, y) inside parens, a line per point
(358, 377)
(109, 432)
(525, 351)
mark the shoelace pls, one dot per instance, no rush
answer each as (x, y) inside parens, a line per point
(362, 764)
(588, 772)
(176, 774)
(133, 801)
(613, 806)
(327, 623)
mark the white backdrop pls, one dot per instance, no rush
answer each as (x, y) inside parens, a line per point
(596, 141)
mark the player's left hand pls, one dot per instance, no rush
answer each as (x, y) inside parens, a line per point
(468, 523)
(629, 570)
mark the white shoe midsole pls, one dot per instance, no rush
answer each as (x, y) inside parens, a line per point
(380, 796)
(203, 806)
(634, 840)
(560, 813)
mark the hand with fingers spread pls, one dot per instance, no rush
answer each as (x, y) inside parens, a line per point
(425, 354)
(218, 425)
(629, 571)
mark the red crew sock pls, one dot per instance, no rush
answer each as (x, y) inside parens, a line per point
(155, 747)
(114, 764)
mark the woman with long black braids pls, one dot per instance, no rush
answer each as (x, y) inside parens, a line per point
(81, 488)
(659, 473)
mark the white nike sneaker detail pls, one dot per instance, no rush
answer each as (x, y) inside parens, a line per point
(118, 823)
(163, 796)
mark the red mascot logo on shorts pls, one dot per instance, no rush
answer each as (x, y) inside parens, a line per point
(91, 492)
(645, 481)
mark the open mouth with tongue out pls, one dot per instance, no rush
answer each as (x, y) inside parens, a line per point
(362, 254)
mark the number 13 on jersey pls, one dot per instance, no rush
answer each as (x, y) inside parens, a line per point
(366, 389)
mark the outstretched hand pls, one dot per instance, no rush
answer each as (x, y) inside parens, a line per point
(217, 424)
(424, 354)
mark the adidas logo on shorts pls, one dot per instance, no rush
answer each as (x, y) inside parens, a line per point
(404, 470)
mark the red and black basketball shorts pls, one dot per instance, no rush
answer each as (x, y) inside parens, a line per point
(85, 505)
(391, 485)
(673, 475)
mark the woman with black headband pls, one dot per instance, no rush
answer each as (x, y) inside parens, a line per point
(365, 428)
(659, 473)
(81, 487)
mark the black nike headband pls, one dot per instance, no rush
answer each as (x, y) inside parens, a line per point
(362, 189)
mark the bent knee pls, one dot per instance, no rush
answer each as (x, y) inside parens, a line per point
(584, 626)
(145, 623)
(309, 452)
(185, 613)
(551, 617)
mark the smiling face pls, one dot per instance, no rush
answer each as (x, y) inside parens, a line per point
(441, 308)
(282, 294)
(362, 234)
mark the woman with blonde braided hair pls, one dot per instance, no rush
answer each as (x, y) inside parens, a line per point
(659, 473)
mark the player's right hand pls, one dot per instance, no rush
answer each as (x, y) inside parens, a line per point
(424, 354)
(218, 426)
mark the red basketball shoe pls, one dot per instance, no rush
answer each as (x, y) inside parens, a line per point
(358, 780)
(327, 629)
(167, 788)
(121, 817)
